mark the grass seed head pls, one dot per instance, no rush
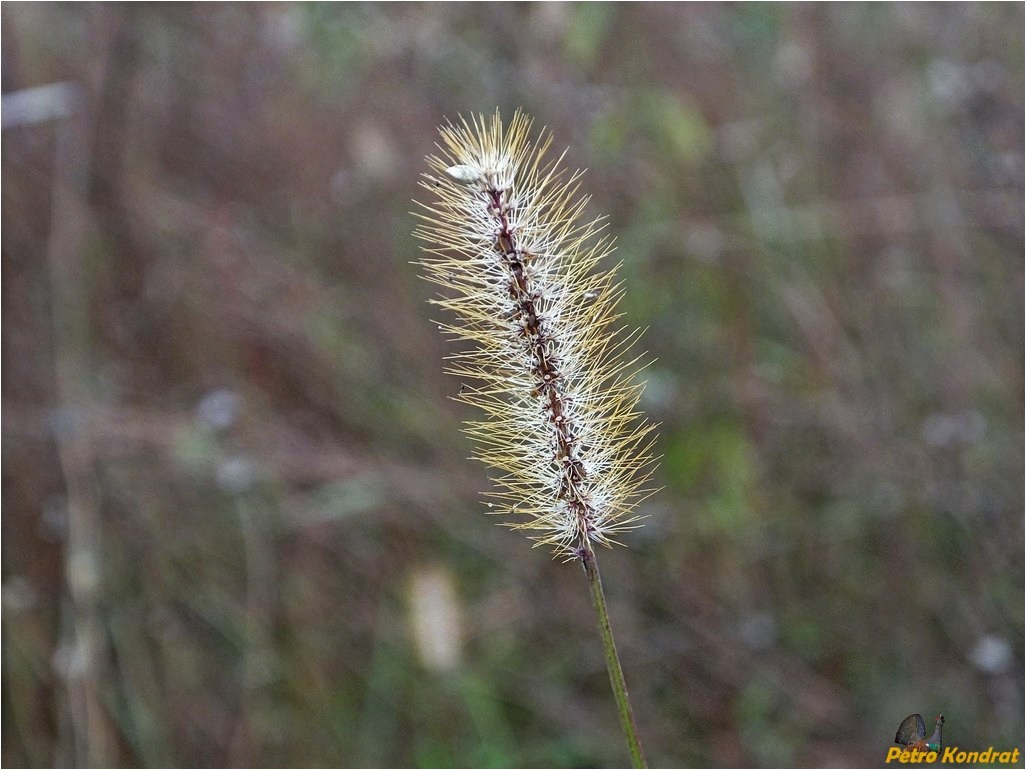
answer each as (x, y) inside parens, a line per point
(521, 276)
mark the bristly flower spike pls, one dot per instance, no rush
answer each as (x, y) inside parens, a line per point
(521, 273)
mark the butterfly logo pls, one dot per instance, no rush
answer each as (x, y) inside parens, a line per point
(912, 733)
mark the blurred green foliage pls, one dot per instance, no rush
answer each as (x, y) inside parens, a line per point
(228, 451)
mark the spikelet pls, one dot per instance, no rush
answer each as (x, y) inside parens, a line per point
(548, 367)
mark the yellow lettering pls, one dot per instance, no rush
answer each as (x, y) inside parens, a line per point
(952, 755)
(892, 753)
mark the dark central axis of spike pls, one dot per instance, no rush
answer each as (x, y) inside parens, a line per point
(546, 361)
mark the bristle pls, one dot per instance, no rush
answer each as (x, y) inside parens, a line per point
(521, 273)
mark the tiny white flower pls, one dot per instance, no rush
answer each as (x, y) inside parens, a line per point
(464, 174)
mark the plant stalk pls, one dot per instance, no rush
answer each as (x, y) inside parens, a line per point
(623, 703)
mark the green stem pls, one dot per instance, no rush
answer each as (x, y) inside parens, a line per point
(623, 703)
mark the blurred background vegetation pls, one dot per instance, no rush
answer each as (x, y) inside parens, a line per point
(239, 527)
